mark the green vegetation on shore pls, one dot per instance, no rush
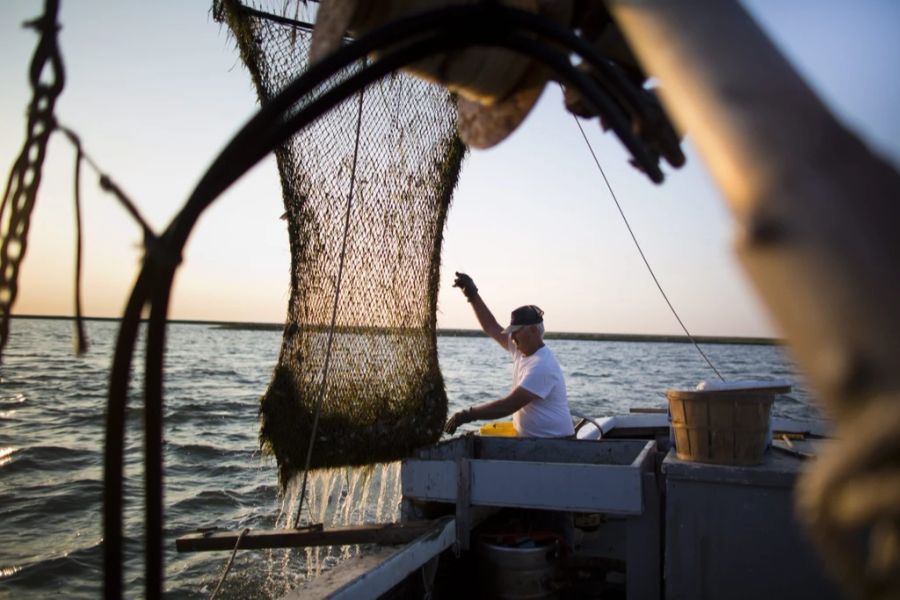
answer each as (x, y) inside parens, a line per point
(551, 335)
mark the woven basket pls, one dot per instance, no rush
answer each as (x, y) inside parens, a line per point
(726, 427)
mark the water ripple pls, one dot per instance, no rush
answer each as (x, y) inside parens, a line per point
(50, 458)
(6, 455)
(75, 573)
(9, 402)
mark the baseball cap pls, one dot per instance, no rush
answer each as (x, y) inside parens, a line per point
(523, 317)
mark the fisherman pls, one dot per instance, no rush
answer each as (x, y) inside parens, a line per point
(538, 401)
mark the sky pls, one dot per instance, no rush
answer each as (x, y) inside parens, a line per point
(156, 90)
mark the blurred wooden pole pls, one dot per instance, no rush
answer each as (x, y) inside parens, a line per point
(817, 217)
(817, 213)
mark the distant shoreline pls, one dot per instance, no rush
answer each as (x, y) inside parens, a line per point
(551, 335)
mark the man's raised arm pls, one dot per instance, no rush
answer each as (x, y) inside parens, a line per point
(484, 315)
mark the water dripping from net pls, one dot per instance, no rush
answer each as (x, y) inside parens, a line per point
(337, 498)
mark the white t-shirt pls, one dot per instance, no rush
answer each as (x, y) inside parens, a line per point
(541, 375)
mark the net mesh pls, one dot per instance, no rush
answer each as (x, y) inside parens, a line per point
(383, 395)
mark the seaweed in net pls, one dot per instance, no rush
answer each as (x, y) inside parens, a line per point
(383, 394)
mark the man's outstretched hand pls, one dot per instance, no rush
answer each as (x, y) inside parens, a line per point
(457, 419)
(465, 283)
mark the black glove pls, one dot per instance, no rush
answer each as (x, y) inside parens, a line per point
(465, 283)
(458, 418)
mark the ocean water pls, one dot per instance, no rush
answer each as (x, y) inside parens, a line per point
(52, 411)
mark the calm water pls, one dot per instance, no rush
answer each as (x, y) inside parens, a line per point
(52, 408)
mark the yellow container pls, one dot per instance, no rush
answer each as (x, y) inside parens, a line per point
(499, 429)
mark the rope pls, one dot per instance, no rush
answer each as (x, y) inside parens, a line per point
(641, 251)
(337, 294)
(82, 343)
(230, 563)
(108, 185)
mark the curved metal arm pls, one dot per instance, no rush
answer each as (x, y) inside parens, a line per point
(401, 44)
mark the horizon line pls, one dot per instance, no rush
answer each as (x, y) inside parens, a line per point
(458, 332)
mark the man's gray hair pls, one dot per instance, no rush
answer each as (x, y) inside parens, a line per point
(540, 328)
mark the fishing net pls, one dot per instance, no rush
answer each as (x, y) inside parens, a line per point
(380, 384)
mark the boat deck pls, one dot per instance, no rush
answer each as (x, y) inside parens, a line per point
(648, 525)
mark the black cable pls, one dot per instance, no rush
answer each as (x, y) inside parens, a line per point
(323, 390)
(641, 252)
(281, 20)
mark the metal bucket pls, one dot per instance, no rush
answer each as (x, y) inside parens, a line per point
(517, 572)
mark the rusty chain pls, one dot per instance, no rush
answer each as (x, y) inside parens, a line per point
(47, 78)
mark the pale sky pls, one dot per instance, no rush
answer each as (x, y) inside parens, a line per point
(156, 89)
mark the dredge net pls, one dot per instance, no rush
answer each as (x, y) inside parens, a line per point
(383, 394)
